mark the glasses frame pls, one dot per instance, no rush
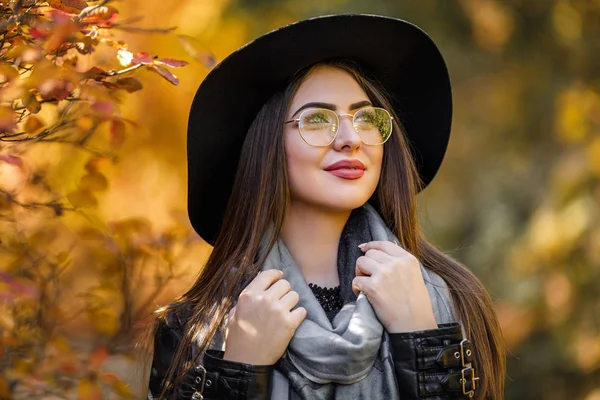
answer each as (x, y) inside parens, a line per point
(338, 116)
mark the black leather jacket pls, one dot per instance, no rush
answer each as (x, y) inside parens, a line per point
(429, 364)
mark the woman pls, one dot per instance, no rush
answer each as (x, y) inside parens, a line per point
(306, 149)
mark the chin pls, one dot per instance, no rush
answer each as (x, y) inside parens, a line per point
(339, 201)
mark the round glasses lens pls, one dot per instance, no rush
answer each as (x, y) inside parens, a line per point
(318, 126)
(374, 125)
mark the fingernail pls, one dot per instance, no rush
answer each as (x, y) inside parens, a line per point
(362, 245)
(281, 272)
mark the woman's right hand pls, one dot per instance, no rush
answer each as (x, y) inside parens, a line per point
(261, 325)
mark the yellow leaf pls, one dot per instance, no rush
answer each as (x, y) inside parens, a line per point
(122, 390)
(593, 156)
(85, 123)
(94, 181)
(30, 101)
(105, 321)
(89, 390)
(82, 198)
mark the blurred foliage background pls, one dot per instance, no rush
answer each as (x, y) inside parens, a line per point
(517, 198)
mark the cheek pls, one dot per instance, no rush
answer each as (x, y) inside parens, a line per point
(302, 162)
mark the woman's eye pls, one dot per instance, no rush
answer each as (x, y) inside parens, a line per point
(317, 118)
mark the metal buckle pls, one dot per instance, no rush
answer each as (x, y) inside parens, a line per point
(463, 381)
(467, 367)
(198, 395)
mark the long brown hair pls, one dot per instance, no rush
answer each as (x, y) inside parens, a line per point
(260, 197)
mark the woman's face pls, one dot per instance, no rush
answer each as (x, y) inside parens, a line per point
(311, 179)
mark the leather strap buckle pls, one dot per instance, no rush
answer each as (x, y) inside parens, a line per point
(463, 352)
(465, 379)
(198, 394)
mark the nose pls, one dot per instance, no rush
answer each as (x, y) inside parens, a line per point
(347, 138)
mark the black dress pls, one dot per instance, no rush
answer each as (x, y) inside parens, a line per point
(329, 298)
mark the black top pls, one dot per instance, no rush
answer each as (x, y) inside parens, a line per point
(329, 298)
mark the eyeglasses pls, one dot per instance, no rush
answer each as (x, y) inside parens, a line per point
(320, 126)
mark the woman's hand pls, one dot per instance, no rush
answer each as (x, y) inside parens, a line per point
(261, 325)
(391, 279)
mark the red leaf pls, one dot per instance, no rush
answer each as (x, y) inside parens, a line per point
(165, 73)
(104, 108)
(60, 17)
(37, 34)
(143, 58)
(169, 62)
(117, 133)
(13, 160)
(94, 73)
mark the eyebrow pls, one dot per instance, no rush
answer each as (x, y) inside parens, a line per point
(332, 107)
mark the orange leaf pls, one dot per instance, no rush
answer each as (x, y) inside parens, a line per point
(98, 357)
(103, 16)
(5, 392)
(70, 6)
(33, 124)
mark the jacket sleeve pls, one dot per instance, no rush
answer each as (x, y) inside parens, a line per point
(433, 364)
(213, 379)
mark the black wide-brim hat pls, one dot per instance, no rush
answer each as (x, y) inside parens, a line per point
(399, 54)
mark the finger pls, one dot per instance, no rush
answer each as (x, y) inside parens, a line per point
(383, 245)
(366, 266)
(290, 299)
(378, 255)
(297, 316)
(362, 284)
(279, 289)
(265, 279)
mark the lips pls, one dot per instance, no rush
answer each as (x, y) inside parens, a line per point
(347, 169)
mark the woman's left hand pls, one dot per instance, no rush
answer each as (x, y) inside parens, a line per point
(391, 279)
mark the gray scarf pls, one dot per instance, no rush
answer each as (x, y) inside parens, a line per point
(348, 358)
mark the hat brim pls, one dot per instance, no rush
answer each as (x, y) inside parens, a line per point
(396, 52)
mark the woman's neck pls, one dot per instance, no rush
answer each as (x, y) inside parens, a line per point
(312, 236)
